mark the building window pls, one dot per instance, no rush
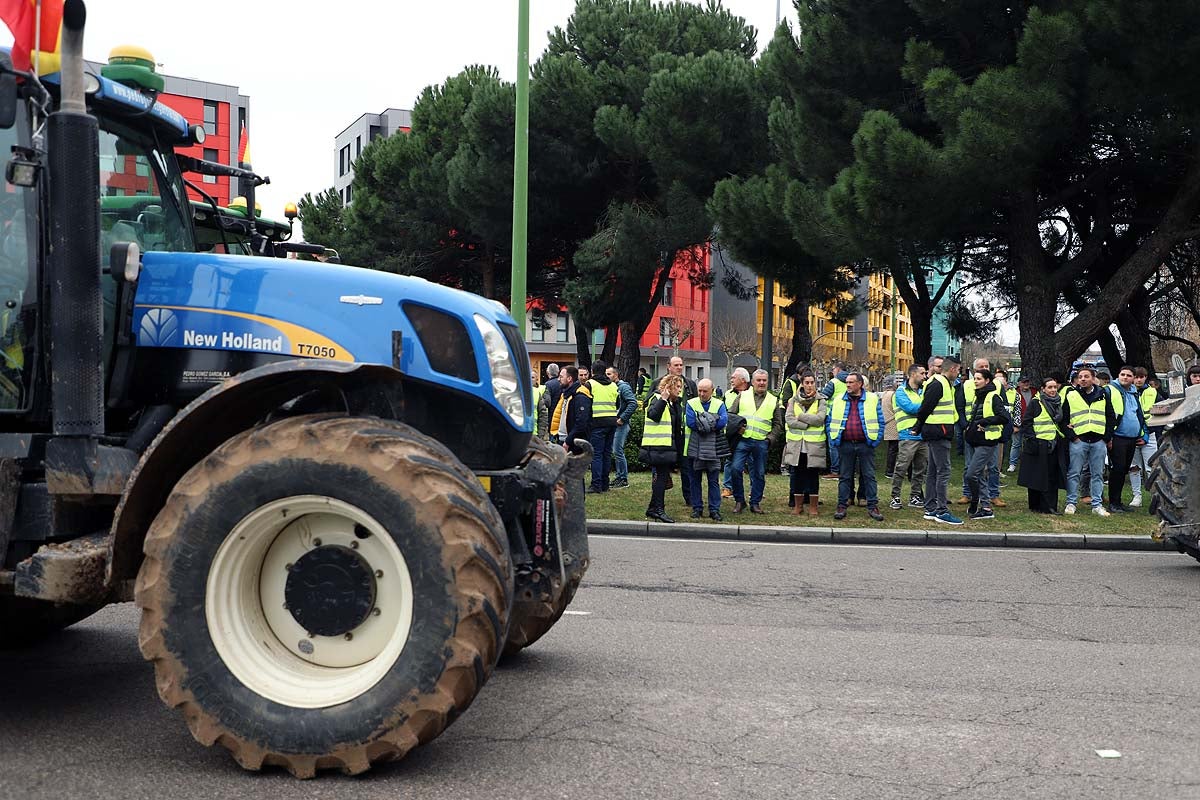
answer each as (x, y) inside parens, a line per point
(210, 155)
(344, 160)
(349, 194)
(374, 133)
(357, 146)
(703, 338)
(536, 332)
(242, 121)
(561, 327)
(699, 373)
(669, 293)
(664, 333)
(210, 117)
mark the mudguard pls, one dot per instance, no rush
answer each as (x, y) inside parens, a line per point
(222, 412)
(1176, 409)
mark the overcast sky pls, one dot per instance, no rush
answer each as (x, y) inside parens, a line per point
(312, 68)
(315, 67)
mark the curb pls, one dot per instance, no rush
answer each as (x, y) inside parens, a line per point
(937, 538)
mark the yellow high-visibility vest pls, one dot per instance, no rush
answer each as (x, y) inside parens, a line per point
(813, 433)
(758, 420)
(838, 411)
(905, 420)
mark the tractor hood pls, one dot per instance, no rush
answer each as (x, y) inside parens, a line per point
(308, 309)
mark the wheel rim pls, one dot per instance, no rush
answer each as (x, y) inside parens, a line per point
(299, 564)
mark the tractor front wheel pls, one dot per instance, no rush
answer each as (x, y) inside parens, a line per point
(324, 593)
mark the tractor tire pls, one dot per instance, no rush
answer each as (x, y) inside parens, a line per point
(532, 618)
(24, 621)
(1174, 484)
(324, 593)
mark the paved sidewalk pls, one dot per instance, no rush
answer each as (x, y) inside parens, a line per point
(948, 537)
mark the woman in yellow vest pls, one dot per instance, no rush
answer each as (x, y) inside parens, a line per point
(986, 418)
(1043, 450)
(804, 448)
(662, 441)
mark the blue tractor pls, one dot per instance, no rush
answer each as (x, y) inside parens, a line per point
(319, 483)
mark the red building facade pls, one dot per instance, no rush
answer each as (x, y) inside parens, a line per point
(683, 316)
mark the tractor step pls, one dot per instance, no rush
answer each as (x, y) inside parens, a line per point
(65, 572)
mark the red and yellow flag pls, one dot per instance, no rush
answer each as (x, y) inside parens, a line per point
(22, 18)
(244, 154)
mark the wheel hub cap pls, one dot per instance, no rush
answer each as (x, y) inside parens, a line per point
(330, 590)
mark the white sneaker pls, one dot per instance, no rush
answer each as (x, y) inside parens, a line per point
(1136, 502)
(1070, 509)
(1012, 467)
(1101, 511)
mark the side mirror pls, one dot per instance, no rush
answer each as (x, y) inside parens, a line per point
(8, 93)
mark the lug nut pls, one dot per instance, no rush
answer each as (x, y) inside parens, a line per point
(354, 545)
(378, 573)
(349, 636)
(375, 612)
(316, 542)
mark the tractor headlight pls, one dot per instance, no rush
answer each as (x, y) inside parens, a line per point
(505, 385)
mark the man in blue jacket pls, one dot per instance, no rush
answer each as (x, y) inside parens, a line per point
(907, 402)
(855, 428)
(1129, 434)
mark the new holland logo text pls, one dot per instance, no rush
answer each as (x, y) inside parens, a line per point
(228, 340)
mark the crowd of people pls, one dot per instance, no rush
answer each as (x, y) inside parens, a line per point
(1053, 435)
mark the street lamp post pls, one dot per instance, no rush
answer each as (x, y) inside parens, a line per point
(655, 349)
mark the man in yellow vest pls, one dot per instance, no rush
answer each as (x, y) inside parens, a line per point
(764, 426)
(906, 402)
(937, 419)
(965, 399)
(986, 418)
(836, 387)
(855, 428)
(1088, 423)
(605, 398)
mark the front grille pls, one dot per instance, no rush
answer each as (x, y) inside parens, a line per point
(521, 362)
(445, 341)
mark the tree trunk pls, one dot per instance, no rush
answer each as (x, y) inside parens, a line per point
(1037, 296)
(1111, 352)
(631, 352)
(1133, 322)
(488, 274)
(921, 317)
(583, 350)
(802, 339)
(609, 353)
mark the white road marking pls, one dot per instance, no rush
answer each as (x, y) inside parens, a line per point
(578, 613)
(995, 549)
(1109, 753)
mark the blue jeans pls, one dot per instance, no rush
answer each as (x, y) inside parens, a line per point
(1014, 450)
(601, 440)
(992, 472)
(618, 452)
(750, 453)
(1093, 454)
(856, 457)
(834, 460)
(714, 490)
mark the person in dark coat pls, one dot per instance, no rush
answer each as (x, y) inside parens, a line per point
(1043, 461)
(659, 451)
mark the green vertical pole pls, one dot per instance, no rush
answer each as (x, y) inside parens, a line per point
(895, 313)
(521, 170)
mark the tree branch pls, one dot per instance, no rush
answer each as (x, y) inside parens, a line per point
(1166, 337)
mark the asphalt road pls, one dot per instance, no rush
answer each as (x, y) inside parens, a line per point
(725, 670)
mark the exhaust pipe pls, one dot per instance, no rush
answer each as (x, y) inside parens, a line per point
(73, 264)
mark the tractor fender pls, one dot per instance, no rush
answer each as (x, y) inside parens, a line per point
(219, 414)
(1176, 410)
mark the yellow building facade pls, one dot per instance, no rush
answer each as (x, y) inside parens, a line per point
(868, 339)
